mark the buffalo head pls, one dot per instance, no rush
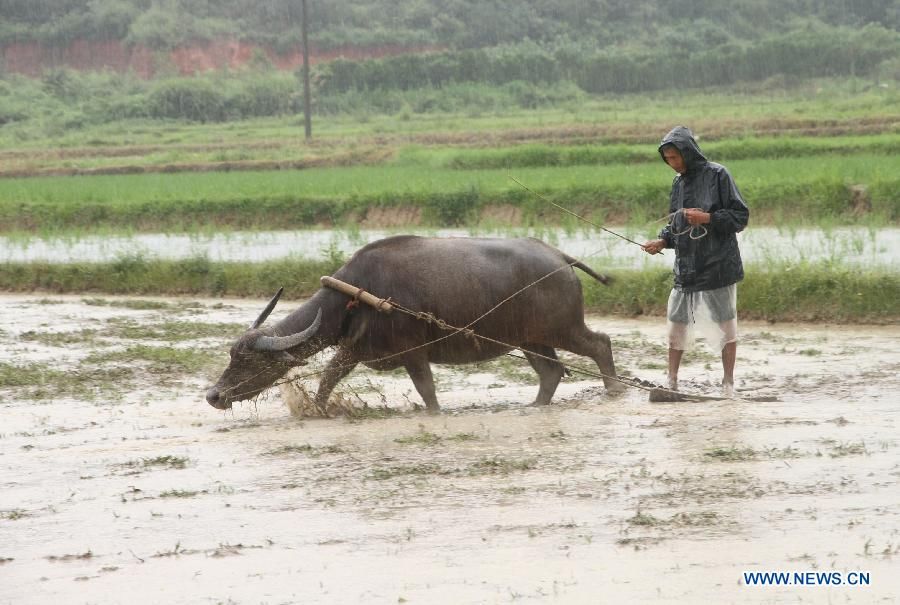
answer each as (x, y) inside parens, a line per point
(259, 358)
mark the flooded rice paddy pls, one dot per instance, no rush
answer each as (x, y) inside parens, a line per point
(118, 483)
(853, 246)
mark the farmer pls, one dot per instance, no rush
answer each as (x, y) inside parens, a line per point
(706, 212)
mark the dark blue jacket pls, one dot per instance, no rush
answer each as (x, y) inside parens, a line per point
(713, 261)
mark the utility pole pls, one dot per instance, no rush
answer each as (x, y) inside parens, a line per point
(306, 93)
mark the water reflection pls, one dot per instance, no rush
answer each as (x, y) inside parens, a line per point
(846, 246)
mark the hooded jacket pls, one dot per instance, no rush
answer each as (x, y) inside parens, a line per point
(714, 260)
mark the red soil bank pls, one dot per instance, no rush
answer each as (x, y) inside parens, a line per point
(33, 59)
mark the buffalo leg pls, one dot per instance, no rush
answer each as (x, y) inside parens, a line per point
(549, 372)
(338, 367)
(598, 347)
(420, 372)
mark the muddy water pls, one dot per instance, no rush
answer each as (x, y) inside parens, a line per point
(135, 490)
(854, 246)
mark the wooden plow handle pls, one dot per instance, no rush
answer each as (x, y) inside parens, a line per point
(383, 305)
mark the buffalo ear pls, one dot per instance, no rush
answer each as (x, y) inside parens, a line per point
(285, 356)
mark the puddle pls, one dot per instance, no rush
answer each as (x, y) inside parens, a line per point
(137, 482)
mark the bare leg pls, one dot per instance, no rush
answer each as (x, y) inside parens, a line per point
(729, 354)
(549, 372)
(338, 367)
(674, 363)
(420, 372)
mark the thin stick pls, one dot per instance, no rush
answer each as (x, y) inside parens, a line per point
(578, 216)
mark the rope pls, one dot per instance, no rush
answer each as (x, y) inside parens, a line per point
(689, 231)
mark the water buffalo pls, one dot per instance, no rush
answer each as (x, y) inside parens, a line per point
(455, 279)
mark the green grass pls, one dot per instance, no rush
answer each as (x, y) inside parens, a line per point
(41, 381)
(420, 438)
(729, 150)
(815, 99)
(307, 449)
(191, 276)
(166, 461)
(179, 493)
(79, 337)
(730, 454)
(163, 361)
(781, 291)
(815, 188)
(781, 146)
(406, 470)
(411, 180)
(501, 465)
(169, 331)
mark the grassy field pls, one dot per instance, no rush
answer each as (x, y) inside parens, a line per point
(807, 188)
(798, 155)
(538, 149)
(818, 155)
(815, 106)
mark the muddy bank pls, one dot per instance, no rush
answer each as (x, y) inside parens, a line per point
(117, 479)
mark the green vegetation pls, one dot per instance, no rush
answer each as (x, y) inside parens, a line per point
(421, 438)
(179, 493)
(60, 338)
(730, 454)
(461, 24)
(596, 46)
(167, 461)
(644, 520)
(161, 361)
(106, 370)
(839, 450)
(83, 123)
(13, 515)
(405, 470)
(170, 331)
(798, 99)
(820, 187)
(816, 51)
(137, 275)
(501, 465)
(803, 291)
(41, 381)
(781, 147)
(307, 449)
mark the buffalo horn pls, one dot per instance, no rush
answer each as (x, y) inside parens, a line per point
(269, 308)
(282, 343)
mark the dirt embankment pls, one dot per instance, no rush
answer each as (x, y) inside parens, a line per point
(33, 58)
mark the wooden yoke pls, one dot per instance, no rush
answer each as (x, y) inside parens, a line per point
(383, 305)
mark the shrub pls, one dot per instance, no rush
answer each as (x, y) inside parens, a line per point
(191, 99)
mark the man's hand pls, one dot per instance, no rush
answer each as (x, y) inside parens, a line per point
(654, 246)
(695, 216)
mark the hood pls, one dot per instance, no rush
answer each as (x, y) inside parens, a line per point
(683, 139)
